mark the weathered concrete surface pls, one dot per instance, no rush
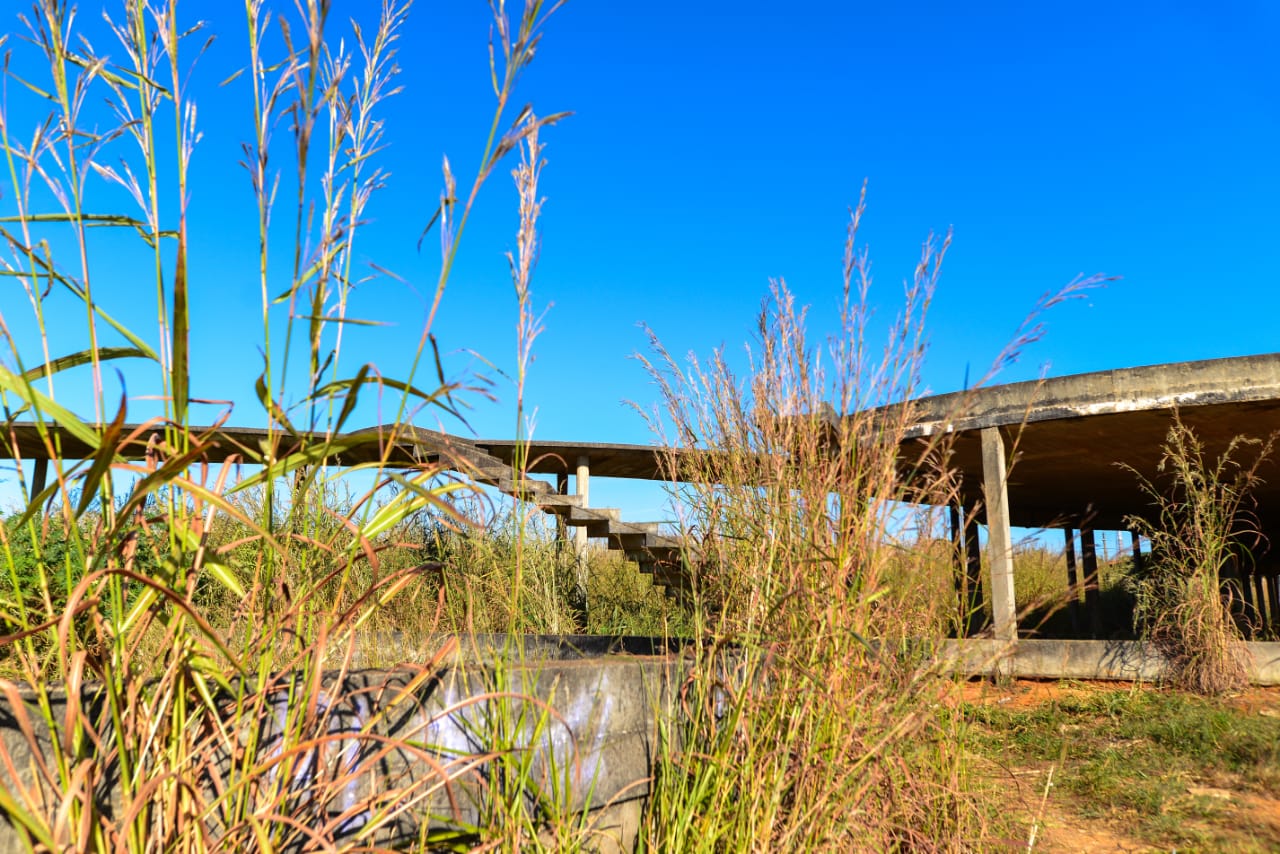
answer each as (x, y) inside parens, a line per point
(429, 745)
(1083, 659)
(1069, 435)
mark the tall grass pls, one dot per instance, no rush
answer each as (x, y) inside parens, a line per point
(1202, 524)
(167, 638)
(813, 722)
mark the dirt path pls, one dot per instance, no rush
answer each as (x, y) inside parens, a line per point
(1219, 811)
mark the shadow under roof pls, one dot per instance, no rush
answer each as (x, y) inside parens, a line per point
(1074, 439)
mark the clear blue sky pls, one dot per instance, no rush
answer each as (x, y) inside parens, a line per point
(716, 145)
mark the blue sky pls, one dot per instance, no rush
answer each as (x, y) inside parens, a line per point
(713, 146)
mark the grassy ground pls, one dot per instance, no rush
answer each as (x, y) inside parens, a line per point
(1132, 768)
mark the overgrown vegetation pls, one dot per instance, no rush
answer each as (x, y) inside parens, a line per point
(173, 602)
(1203, 526)
(829, 733)
(1170, 769)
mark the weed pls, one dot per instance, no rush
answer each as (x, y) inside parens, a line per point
(1202, 524)
(803, 734)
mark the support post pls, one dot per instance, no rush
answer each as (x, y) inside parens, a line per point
(1260, 596)
(39, 476)
(1138, 566)
(562, 528)
(582, 488)
(999, 535)
(975, 619)
(1092, 593)
(1073, 582)
(1275, 606)
(956, 528)
(1247, 605)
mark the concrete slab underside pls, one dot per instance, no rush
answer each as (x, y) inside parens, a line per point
(1074, 440)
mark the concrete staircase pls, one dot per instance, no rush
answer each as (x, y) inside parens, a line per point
(655, 553)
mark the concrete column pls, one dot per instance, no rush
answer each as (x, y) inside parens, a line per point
(1247, 604)
(975, 619)
(39, 476)
(1138, 565)
(999, 535)
(1092, 594)
(956, 530)
(1275, 605)
(562, 529)
(582, 488)
(1073, 582)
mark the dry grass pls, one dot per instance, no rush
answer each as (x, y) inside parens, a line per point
(804, 734)
(1204, 524)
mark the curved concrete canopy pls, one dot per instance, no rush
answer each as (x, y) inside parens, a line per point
(1070, 438)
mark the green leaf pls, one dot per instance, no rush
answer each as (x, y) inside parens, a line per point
(84, 357)
(413, 496)
(225, 576)
(354, 321)
(21, 387)
(103, 458)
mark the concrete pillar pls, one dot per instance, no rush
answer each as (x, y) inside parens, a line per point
(1073, 582)
(1092, 595)
(956, 530)
(1248, 607)
(1275, 605)
(1257, 582)
(562, 528)
(582, 488)
(999, 535)
(39, 476)
(975, 618)
(1138, 565)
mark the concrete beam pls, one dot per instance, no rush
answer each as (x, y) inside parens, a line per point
(999, 535)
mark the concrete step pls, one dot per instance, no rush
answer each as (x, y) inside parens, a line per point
(595, 519)
(558, 504)
(526, 489)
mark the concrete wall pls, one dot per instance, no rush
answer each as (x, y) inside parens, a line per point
(584, 712)
(588, 727)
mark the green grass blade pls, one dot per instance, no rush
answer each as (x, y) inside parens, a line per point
(85, 357)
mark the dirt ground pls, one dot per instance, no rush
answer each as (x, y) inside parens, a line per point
(1242, 820)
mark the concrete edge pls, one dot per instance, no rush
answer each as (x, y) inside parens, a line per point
(1127, 661)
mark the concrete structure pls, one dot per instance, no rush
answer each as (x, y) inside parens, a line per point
(1057, 453)
(1074, 448)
